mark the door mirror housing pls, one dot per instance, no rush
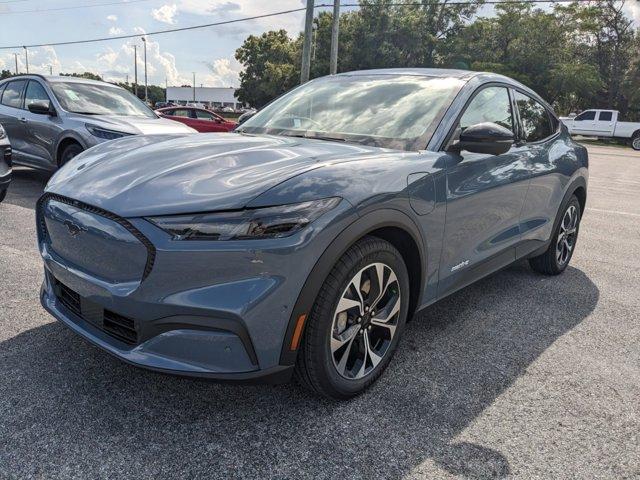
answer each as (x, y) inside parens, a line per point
(41, 108)
(487, 137)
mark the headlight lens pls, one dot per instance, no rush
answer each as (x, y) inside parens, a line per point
(104, 133)
(270, 222)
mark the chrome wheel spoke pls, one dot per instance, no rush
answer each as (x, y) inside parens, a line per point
(336, 344)
(347, 303)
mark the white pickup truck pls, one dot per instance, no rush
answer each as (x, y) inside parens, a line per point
(603, 123)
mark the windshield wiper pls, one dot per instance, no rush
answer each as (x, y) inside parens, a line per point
(315, 137)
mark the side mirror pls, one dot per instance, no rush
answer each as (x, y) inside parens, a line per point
(246, 116)
(41, 108)
(485, 137)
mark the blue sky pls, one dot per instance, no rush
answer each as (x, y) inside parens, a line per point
(208, 52)
(171, 57)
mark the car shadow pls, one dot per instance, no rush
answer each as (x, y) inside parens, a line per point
(71, 409)
(26, 186)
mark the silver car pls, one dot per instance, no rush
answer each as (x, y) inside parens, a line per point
(50, 120)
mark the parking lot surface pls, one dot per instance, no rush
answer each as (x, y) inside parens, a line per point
(518, 375)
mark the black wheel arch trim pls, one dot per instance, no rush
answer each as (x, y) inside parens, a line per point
(365, 224)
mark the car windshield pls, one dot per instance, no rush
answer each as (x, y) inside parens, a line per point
(391, 111)
(97, 99)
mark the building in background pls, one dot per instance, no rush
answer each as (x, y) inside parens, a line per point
(211, 97)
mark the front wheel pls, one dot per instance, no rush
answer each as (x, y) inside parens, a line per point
(355, 324)
(70, 151)
(563, 242)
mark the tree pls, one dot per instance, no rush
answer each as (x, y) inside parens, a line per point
(5, 74)
(87, 75)
(271, 66)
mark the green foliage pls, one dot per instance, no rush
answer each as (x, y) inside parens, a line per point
(5, 74)
(577, 56)
(87, 75)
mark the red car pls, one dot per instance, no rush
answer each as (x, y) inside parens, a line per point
(198, 118)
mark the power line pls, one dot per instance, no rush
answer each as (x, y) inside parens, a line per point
(273, 14)
(72, 7)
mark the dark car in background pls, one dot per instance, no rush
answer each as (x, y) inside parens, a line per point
(199, 119)
(50, 119)
(5, 163)
(302, 242)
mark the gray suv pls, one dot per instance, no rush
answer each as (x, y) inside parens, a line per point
(50, 120)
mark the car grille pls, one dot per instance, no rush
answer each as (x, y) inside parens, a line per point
(111, 323)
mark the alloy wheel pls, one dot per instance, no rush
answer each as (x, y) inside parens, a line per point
(635, 143)
(365, 321)
(567, 235)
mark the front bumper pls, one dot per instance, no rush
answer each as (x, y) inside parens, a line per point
(209, 309)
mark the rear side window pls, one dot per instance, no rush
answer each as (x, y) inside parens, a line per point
(536, 123)
(202, 115)
(12, 96)
(605, 116)
(181, 113)
(590, 115)
(491, 104)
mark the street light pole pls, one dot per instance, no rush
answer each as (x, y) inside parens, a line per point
(135, 69)
(306, 46)
(335, 31)
(194, 87)
(26, 58)
(15, 55)
(146, 88)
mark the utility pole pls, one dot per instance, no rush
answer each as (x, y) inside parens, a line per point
(194, 87)
(26, 57)
(306, 46)
(135, 69)
(146, 88)
(50, 69)
(15, 55)
(335, 32)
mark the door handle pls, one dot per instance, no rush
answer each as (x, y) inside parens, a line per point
(23, 120)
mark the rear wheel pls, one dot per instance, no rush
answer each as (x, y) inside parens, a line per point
(635, 141)
(355, 324)
(563, 243)
(69, 152)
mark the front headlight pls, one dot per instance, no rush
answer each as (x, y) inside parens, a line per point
(270, 222)
(3, 134)
(105, 133)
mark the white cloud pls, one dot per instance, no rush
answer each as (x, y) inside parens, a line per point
(115, 31)
(112, 18)
(165, 13)
(224, 73)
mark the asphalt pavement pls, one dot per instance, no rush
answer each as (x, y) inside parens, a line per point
(519, 376)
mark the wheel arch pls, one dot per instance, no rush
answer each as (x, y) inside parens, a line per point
(392, 225)
(64, 142)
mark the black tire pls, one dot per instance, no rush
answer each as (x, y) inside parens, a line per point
(550, 263)
(316, 366)
(3, 194)
(69, 152)
(635, 141)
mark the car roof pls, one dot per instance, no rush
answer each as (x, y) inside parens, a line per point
(59, 78)
(421, 72)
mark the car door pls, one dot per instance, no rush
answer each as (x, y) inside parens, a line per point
(207, 122)
(551, 163)
(484, 195)
(42, 130)
(604, 124)
(585, 123)
(12, 118)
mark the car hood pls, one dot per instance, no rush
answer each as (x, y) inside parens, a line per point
(150, 175)
(137, 125)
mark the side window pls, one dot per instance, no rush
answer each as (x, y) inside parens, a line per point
(588, 115)
(35, 94)
(489, 105)
(535, 120)
(202, 115)
(12, 96)
(605, 116)
(181, 113)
